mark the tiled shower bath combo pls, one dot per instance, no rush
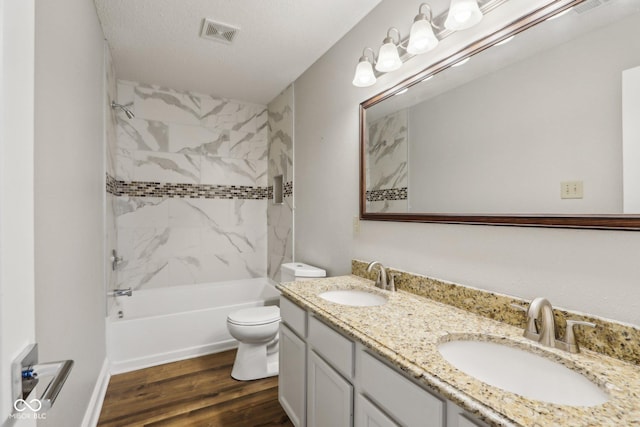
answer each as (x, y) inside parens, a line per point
(191, 187)
(191, 201)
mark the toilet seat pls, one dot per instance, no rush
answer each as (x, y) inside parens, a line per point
(255, 316)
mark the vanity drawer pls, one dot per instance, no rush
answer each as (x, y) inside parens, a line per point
(335, 348)
(294, 316)
(406, 402)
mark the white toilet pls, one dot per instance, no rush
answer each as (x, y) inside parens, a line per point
(293, 271)
(256, 330)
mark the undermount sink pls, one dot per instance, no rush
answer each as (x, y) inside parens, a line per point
(354, 297)
(522, 372)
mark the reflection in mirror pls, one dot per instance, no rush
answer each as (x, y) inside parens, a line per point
(547, 124)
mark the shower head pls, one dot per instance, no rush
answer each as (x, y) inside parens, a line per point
(123, 108)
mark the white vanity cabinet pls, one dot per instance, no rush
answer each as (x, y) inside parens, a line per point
(329, 376)
(403, 400)
(329, 395)
(328, 380)
(293, 362)
(458, 417)
(368, 415)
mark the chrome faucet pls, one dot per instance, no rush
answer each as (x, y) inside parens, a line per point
(381, 280)
(544, 332)
(122, 292)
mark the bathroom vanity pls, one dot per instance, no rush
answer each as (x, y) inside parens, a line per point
(345, 384)
(342, 365)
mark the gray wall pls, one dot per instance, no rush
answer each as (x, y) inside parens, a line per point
(69, 198)
(586, 270)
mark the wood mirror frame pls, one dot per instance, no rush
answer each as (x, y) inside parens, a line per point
(608, 221)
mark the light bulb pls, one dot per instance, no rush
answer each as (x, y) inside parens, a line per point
(388, 57)
(364, 76)
(462, 14)
(421, 37)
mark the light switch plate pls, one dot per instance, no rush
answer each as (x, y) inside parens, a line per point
(571, 190)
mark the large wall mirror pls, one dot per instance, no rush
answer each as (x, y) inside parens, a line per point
(543, 130)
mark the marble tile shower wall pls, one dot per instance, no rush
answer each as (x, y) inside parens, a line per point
(111, 146)
(387, 173)
(193, 141)
(280, 216)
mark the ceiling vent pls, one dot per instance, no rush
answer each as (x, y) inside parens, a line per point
(219, 32)
(588, 5)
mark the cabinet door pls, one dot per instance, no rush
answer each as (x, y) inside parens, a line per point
(292, 381)
(329, 396)
(406, 402)
(367, 415)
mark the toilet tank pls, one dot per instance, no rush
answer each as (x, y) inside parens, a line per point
(293, 271)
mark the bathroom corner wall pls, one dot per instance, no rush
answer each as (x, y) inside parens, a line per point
(110, 146)
(191, 182)
(280, 215)
(69, 162)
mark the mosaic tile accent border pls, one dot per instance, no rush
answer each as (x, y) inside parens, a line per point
(192, 191)
(613, 339)
(112, 185)
(287, 190)
(387, 194)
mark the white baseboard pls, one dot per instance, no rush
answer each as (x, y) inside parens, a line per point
(172, 356)
(97, 397)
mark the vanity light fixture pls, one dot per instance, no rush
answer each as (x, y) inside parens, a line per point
(424, 36)
(505, 41)
(388, 56)
(364, 76)
(459, 63)
(462, 14)
(421, 37)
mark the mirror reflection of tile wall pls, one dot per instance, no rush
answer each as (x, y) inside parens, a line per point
(387, 161)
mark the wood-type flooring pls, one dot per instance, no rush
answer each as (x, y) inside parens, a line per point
(193, 392)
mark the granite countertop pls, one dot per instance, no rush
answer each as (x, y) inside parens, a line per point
(408, 328)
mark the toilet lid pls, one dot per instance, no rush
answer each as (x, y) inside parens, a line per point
(255, 315)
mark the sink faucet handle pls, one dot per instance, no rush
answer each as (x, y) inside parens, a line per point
(570, 341)
(392, 281)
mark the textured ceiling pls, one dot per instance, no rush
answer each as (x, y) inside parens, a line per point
(158, 42)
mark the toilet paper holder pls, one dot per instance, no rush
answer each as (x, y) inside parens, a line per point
(25, 375)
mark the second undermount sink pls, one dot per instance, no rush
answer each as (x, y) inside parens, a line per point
(522, 372)
(354, 297)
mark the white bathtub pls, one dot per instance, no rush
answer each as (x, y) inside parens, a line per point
(169, 324)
